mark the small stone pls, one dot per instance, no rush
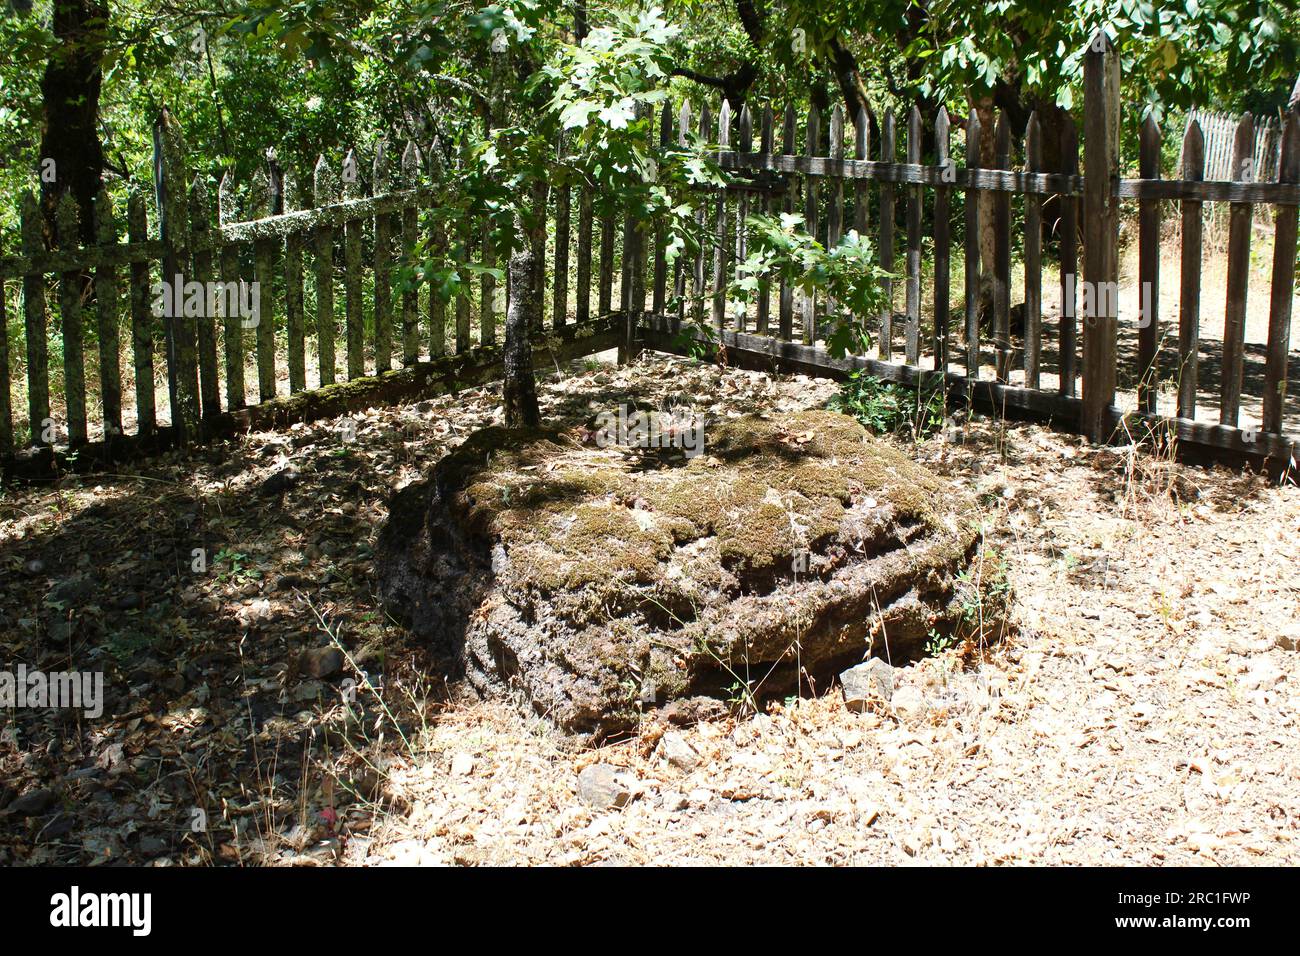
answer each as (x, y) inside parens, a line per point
(1289, 641)
(679, 753)
(306, 691)
(870, 680)
(59, 826)
(127, 602)
(908, 703)
(1262, 674)
(601, 787)
(462, 765)
(320, 662)
(674, 801)
(254, 612)
(113, 759)
(571, 819)
(71, 591)
(278, 483)
(32, 803)
(59, 630)
(152, 846)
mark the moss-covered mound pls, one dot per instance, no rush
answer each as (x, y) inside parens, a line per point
(601, 581)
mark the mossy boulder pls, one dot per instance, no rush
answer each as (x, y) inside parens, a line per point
(597, 582)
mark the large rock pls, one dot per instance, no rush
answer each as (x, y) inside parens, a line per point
(599, 581)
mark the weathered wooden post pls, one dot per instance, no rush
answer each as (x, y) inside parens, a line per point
(265, 253)
(438, 246)
(812, 141)
(942, 238)
(383, 267)
(763, 317)
(464, 239)
(1069, 262)
(70, 282)
(1189, 301)
(106, 297)
(972, 250)
(888, 154)
(1101, 233)
(912, 330)
(1033, 254)
(137, 230)
(740, 245)
(1148, 384)
(1002, 255)
(519, 388)
(582, 310)
(324, 192)
(294, 320)
(1240, 218)
(173, 225)
(1284, 259)
(785, 293)
(679, 268)
(659, 288)
(355, 323)
(201, 253)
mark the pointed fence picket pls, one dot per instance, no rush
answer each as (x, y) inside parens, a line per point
(346, 231)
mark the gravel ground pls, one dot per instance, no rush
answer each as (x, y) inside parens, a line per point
(1143, 711)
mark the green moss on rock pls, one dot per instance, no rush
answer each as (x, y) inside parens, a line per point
(793, 536)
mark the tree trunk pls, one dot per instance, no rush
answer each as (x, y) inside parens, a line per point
(988, 154)
(520, 387)
(536, 239)
(849, 79)
(70, 133)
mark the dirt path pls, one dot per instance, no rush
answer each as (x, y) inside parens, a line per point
(1146, 711)
(1145, 714)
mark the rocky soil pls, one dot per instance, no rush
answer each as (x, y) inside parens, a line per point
(1144, 709)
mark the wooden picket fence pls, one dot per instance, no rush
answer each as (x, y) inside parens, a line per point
(1219, 132)
(1064, 372)
(809, 174)
(340, 238)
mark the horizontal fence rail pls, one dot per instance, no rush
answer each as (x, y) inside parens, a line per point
(323, 286)
(837, 177)
(967, 221)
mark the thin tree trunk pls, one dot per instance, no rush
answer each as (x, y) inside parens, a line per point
(70, 134)
(524, 311)
(536, 238)
(988, 120)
